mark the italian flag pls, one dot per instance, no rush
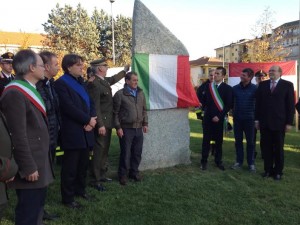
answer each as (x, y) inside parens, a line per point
(165, 80)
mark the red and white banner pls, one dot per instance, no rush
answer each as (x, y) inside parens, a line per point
(289, 71)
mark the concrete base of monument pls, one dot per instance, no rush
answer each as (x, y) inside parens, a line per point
(167, 142)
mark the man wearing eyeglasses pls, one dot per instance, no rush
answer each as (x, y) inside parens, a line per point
(100, 91)
(6, 70)
(274, 115)
(25, 113)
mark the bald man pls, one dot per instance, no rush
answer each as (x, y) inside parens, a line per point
(274, 115)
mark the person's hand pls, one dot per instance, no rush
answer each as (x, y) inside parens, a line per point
(257, 127)
(91, 79)
(126, 68)
(33, 177)
(102, 131)
(120, 133)
(93, 122)
(215, 119)
(88, 128)
(145, 129)
(288, 128)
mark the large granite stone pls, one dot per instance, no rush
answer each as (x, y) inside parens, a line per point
(168, 140)
(149, 35)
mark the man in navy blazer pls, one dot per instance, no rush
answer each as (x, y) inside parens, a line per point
(77, 136)
(274, 115)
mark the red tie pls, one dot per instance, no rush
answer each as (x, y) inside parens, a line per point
(273, 85)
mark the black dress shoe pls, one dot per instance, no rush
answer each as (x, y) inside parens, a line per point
(203, 166)
(221, 167)
(105, 179)
(266, 175)
(136, 178)
(73, 205)
(99, 187)
(123, 180)
(277, 177)
(50, 217)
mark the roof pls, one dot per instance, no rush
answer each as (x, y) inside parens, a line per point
(289, 24)
(18, 38)
(239, 42)
(206, 60)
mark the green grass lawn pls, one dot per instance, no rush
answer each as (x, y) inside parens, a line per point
(185, 195)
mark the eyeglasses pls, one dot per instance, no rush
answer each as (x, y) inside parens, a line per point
(41, 65)
(273, 71)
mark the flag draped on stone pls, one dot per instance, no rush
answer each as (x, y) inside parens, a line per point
(161, 61)
(165, 80)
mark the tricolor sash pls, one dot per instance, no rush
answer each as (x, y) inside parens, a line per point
(30, 93)
(215, 96)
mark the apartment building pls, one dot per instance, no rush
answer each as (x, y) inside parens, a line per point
(290, 38)
(290, 41)
(232, 53)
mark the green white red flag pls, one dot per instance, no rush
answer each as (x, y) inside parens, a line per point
(165, 80)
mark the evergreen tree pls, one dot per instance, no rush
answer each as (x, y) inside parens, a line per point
(72, 31)
(122, 33)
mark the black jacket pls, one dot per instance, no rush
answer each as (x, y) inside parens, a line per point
(275, 110)
(210, 109)
(50, 97)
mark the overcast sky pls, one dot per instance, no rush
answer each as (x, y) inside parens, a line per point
(201, 25)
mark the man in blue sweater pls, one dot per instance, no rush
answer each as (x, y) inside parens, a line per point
(243, 118)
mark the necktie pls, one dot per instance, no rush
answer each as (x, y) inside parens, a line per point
(273, 85)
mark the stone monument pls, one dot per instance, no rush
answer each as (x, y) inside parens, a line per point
(167, 142)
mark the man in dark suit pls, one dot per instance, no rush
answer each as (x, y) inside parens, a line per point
(47, 92)
(100, 91)
(6, 70)
(77, 137)
(274, 115)
(25, 112)
(201, 91)
(217, 101)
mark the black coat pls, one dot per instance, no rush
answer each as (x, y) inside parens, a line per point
(4, 81)
(210, 109)
(49, 95)
(275, 110)
(75, 114)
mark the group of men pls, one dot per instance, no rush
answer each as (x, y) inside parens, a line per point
(38, 113)
(268, 106)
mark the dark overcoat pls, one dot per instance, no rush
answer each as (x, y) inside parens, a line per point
(75, 114)
(30, 136)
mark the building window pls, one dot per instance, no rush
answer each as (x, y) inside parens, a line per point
(232, 54)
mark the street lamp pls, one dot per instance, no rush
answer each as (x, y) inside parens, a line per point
(113, 33)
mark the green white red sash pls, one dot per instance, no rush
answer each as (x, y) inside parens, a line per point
(215, 96)
(30, 92)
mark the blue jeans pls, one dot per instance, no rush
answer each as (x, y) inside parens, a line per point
(241, 127)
